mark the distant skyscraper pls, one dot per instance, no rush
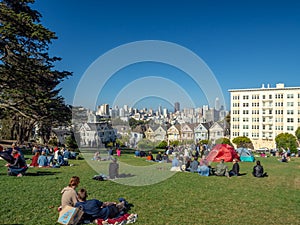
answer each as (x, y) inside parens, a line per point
(103, 110)
(159, 110)
(165, 112)
(176, 106)
(217, 104)
(121, 112)
(125, 108)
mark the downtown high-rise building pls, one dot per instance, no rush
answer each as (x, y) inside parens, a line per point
(262, 113)
(176, 107)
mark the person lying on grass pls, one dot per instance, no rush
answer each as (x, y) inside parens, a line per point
(94, 209)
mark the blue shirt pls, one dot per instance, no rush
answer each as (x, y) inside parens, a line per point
(42, 160)
(93, 208)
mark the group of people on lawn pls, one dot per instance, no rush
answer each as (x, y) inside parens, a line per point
(189, 162)
(204, 169)
(51, 157)
(42, 157)
(95, 210)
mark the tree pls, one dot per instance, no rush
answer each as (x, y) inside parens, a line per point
(24, 45)
(243, 142)
(174, 143)
(204, 142)
(146, 144)
(223, 141)
(285, 141)
(297, 133)
(162, 145)
(71, 142)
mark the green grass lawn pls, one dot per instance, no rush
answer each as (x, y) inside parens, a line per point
(183, 198)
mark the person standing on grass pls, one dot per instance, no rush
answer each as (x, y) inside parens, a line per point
(69, 195)
(118, 152)
(113, 169)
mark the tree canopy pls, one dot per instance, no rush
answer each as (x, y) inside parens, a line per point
(223, 141)
(243, 142)
(285, 141)
(297, 133)
(29, 96)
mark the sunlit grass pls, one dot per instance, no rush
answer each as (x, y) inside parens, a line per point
(183, 198)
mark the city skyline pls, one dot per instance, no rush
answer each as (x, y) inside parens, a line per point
(244, 44)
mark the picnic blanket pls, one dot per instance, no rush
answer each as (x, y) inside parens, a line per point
(124, 219)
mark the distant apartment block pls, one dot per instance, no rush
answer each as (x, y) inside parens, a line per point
(262, 113)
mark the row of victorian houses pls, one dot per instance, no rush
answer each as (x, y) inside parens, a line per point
(188, 132)
(97, 134)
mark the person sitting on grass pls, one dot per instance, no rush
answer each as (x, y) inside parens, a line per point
(221, 169)
(150, 156)
(194, 165)
(158, 157)
(34, 160)
(258, 170)
(19, 167)
(204, 169)
(6, 155)
(69, 195)
(176, 165)
(283, 158)
(94, 209)
(42, 160)
(235, 171)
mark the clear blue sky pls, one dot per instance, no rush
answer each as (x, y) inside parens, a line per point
(244, 43)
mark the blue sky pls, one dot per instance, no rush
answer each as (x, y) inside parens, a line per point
(244, 43)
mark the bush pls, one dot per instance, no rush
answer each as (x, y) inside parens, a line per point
(162, 145)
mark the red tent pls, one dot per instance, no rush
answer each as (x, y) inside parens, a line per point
(222, 151)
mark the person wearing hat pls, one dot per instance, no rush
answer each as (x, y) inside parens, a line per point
(19, 167)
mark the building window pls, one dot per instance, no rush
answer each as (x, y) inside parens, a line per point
(290, 112)
(270, 96)
(290, 128)
(290, 120)
(290, 96)
(246, 119)
(246, 127)
(290, 103)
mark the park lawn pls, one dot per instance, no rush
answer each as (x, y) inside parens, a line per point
(184, 198)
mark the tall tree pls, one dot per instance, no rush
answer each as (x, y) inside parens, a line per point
(28, 81)
(297, 133)
(285, 141)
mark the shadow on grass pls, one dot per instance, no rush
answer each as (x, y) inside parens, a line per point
(41, 173)
(242, 174)
(124, 175)
(12, 224)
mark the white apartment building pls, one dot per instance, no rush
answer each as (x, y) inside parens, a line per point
(262, 113)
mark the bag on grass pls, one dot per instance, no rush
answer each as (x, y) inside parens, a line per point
(70, 215)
